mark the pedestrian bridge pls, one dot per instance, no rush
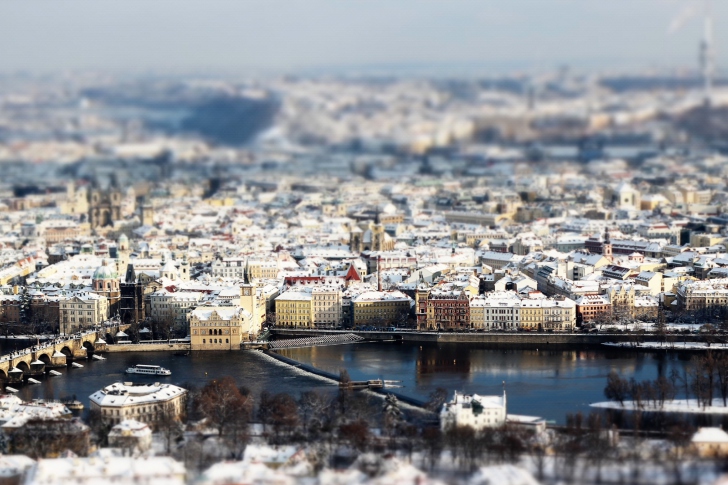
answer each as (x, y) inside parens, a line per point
(49, 354)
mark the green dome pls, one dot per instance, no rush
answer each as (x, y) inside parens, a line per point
(105, 272)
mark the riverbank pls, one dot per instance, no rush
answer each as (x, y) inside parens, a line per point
(652, 346)
(495, 340)
(142, 347)
(682, 406)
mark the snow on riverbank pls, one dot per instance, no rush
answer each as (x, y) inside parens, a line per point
(690, 406)
(668, 345)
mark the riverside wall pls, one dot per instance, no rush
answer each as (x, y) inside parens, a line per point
(524, 340)
(146, 347)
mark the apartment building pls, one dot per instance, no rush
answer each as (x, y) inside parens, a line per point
(81, 310)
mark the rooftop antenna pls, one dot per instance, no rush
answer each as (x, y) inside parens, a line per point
(707, 56)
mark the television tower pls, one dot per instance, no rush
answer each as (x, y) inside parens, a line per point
(707, 56)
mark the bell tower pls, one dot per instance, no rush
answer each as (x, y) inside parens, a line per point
(607, 245)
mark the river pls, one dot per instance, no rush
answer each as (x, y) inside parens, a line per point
(543, 383)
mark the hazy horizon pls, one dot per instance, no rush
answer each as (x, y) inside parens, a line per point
(295, 36)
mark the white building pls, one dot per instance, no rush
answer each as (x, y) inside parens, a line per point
(145, 402)
(167, 306)
(131, 434)
(478, 412)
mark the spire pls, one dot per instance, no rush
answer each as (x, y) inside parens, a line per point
(130, 274)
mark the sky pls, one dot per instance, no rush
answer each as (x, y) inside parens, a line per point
(294, 35)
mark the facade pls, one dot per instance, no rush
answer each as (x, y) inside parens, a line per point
(219, 328)
(294, 308)
(104, 208)
(261, 269)
(146, 403)
(229, 268)
(374, 238)
(477, 412)
(593, 308)
(443, 309)
(326, 305)
(381, 308)
(82, 310)
(500, 310)
(697, 295)
(172, 307)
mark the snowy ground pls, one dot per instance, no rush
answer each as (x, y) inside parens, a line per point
(670, 345)
(675, 406)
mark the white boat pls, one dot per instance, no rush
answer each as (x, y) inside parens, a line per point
(76, 365)
(54, 373)
(98, 357)
(11, 389)
(33, 381)
(149, 370)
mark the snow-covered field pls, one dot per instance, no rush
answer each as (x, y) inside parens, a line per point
(675, 406)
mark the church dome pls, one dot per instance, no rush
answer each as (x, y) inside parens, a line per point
(105, 272)
(123, 238)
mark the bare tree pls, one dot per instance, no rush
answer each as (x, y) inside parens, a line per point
(433, 442)
(222, 403)
(617, 388)
(283, 414)
(436, 399)
(356, 434)
(721, 370)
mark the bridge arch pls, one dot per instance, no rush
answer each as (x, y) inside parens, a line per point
(3, 375)
(22, 365)
(68, 353)
(45, 358)
(89, 347)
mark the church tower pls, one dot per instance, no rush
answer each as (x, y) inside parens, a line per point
(105, 282)
(184, 269)
(147, 213)
(607, 245)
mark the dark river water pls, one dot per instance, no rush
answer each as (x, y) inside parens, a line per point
(543, 383)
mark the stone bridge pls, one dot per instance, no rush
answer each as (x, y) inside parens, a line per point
(49, 354)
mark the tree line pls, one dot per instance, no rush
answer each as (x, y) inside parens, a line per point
(705, 380)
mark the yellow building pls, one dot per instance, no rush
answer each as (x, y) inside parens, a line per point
(381, 308)
(294, 309)
(262, 269)
(219, 328)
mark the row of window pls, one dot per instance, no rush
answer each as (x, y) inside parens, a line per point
(215, 341)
